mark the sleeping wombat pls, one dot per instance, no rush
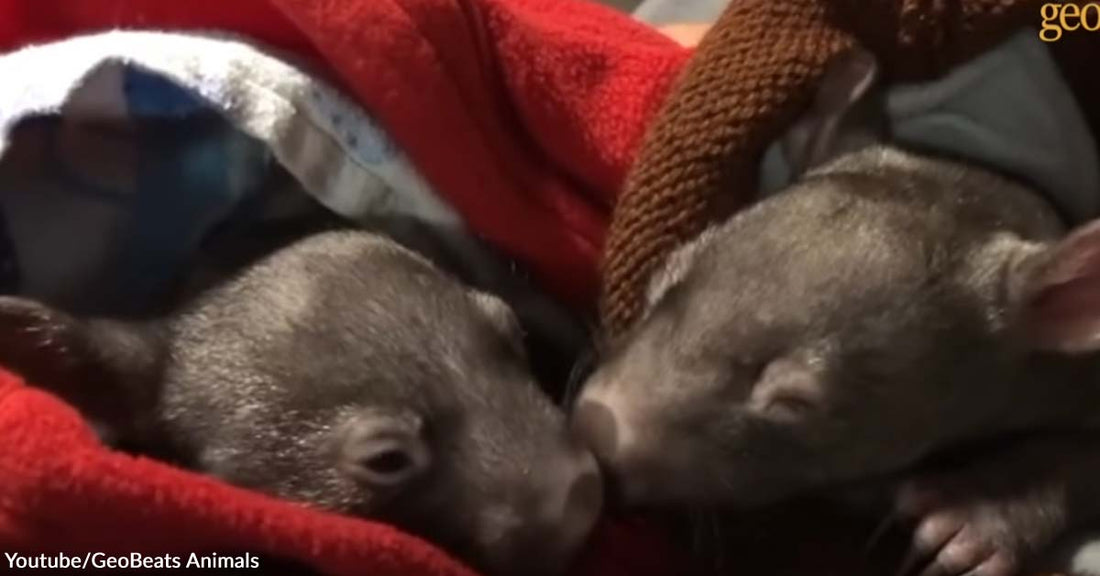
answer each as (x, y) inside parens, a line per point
(342, 371)
(886, 307)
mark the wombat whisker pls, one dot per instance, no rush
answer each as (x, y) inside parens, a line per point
(889, 520)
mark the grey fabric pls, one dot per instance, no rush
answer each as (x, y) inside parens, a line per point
(661, 12)
(1009, 110)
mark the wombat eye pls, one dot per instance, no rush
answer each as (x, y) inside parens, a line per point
(389, 463)
(384, 453)
(749, 369)
(786, 390)
(789, 407)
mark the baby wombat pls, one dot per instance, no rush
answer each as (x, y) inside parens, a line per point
(346, 372)
(887, 306)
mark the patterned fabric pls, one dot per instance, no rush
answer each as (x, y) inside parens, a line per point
(132, 147)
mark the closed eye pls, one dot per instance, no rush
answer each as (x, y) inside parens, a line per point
(749, 369)
(745, 374)
(786, 389)
(789, 406)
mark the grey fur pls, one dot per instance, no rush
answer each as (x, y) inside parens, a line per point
(874, 279)
(287, 377)
(879, 311)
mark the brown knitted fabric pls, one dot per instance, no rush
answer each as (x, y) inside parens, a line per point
(749, 78)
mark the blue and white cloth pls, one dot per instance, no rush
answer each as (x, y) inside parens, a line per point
(121, 151)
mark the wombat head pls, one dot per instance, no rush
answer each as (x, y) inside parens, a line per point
(346, 372)
(885, 306)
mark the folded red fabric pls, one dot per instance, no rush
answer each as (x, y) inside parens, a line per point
(524, 114)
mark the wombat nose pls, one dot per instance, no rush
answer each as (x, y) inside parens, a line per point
(565, 518)
(585, 498)
(594, 423)
(583, 504)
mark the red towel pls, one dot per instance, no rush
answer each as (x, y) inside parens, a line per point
(524, 113)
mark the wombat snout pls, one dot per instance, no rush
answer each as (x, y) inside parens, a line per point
(558, 528)
(611, 425)
(595, 423)
(582, 504)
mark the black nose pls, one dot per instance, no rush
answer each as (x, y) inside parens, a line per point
(594, 424)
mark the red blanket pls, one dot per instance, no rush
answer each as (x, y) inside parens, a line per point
(524, 113)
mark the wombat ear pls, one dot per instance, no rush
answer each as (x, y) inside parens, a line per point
(848, 113)
(500, 314)
(71, 356)
(676, 266)
(1058, 294)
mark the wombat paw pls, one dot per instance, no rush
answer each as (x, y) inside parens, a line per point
(959, 541)
(962, 529)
